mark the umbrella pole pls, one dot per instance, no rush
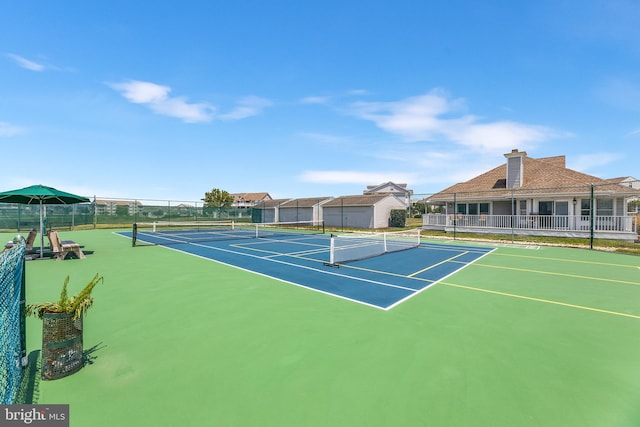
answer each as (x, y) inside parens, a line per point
(41, 232)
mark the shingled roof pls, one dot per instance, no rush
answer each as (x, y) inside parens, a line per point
(304, 202)
(363, 200)
(387, 188)
(250, 197)
(547, 176)
(273, 203)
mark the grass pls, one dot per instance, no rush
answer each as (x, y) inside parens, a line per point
(598, 244)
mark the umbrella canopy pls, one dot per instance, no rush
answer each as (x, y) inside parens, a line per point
(40, 195)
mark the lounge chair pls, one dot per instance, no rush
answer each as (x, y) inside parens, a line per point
(31, 238)
(62, 248)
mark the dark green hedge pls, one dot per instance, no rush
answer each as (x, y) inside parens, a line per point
(398, 218)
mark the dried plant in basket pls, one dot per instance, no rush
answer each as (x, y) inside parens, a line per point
(76, 305)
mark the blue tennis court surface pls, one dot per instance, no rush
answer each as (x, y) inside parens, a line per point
(302, 260)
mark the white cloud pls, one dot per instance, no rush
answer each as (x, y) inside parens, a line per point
(354, 177)
(414, 118)
(8, 130)
(181, 109)
(315, 100)
(437, 166)
(25, 63)
(436, 116)
(142, 92)
(246, 107)
(498, 135)
(455, 137)
(157, 98)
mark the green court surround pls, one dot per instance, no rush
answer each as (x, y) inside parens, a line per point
(524, 337)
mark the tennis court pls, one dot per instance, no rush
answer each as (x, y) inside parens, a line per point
(522, 336)
(377, 269)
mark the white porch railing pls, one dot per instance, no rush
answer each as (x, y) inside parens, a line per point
(531, 222)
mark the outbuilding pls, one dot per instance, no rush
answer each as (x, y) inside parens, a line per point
(362, 211)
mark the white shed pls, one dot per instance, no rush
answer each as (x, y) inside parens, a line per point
(307, 209)
(268, 211)
(361, 211)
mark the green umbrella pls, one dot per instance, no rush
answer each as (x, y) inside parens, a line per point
(40, 195)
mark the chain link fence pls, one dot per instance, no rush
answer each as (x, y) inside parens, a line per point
(107, 212)
(12, 333)
(607, 211)
(597, 211)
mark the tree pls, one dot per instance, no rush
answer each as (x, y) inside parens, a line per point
(419, 208)
(217, 198)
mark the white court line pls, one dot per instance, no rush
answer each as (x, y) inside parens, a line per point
(437, 281)
(413, 292)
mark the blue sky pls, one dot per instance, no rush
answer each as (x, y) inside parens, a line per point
(167, 100)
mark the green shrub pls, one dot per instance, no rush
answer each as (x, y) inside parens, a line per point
(398, 218)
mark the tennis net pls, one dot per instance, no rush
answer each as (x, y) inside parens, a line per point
(357, 246)
(172, 233)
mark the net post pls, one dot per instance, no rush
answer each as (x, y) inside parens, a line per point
(384, 239)
(154, 226)
(134, 234)
(332, 251)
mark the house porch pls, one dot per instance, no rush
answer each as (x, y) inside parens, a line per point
(604, 227)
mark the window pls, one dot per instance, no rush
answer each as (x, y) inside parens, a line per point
(523, 207)
(473, 209)
(604, 207)
(484, 208)
(462, 208)
(545, 208)
(585, 207)
(562, 208)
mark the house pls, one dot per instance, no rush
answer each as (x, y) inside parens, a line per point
(305, 209)
(398, 190)
(115, 207)
(533, 196)
(363, 211)
(627, 181)
(248, 200)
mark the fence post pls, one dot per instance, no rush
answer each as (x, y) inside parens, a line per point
(591, 219)
(455, 213)
(23, 320)
(95, 212)
(513, 216)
